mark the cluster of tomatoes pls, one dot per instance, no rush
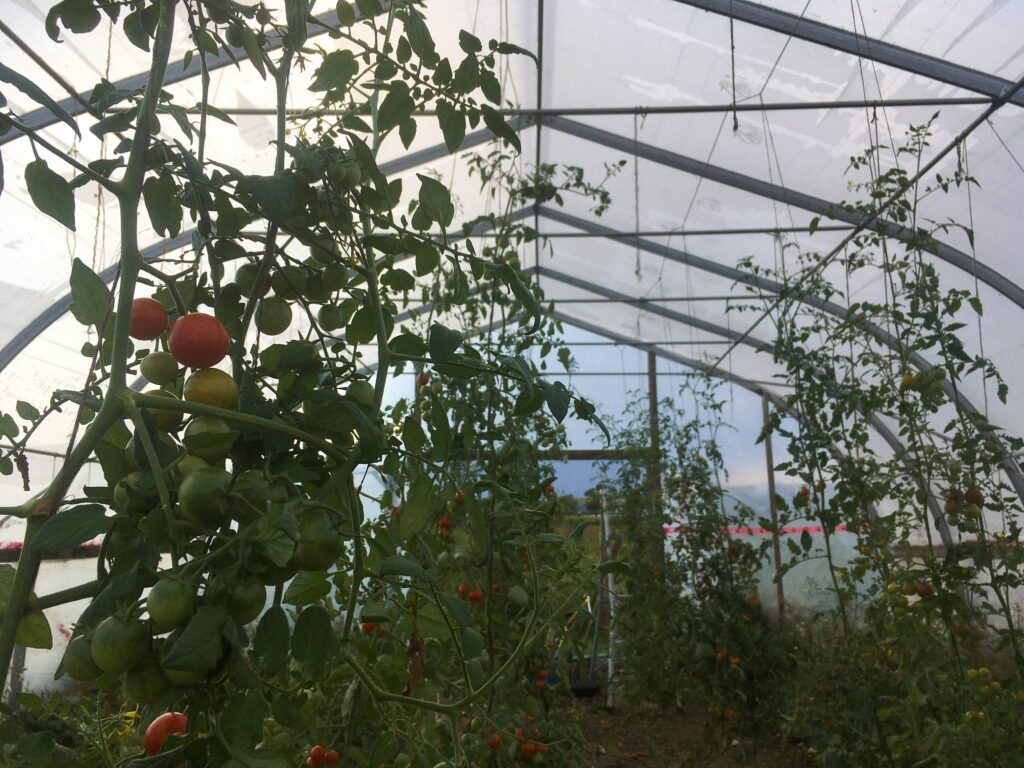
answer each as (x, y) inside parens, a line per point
(540, 679)
(319, 756)
(475, 595)
(206, 496)
(531, 747)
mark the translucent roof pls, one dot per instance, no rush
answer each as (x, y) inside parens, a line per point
(649, 82)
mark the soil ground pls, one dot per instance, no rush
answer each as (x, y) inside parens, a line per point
(656, 738)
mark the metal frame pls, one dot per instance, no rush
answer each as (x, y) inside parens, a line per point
(765, 285)
(858, 45)
(898, 449)
(943, 251)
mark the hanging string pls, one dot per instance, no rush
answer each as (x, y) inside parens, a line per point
(732, 57)
(636, 192)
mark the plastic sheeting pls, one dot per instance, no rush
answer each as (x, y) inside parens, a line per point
(599, 54)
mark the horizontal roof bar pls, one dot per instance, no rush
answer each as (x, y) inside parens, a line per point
(868, 48)
(833, 210)
(652, 109)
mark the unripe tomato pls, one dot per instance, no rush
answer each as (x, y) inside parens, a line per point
(198, 340)
(476, 596)
(145, 683)
(246, 601)
(149, 319)
(210, 386)
(167, 724)
(289, 281)
(166, 421)
(361, 391)
(246, 278)
(331, 317)
(170, 602)
(273, 316)
(119, 644)
(320, 543)
(209, 449)
(159, 368)
(78, 661)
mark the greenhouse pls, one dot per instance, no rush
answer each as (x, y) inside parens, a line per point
(450, 383)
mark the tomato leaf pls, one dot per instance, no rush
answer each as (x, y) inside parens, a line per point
(311, 639)
(161, 197)
(71, 527)
(397, 565)
(90, 297)
(33, 629)
(417, 509)
(51, 193)
(443, 342)
(557, 397)
(453, 125)
(457, 608)
(296, 12)
(201, 644)
(272, 639)
(38, 95)
(307, 587)
(435, 200)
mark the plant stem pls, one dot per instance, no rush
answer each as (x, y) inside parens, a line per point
(129, 192)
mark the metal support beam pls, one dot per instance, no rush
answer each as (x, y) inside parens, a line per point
(643, 111)
(943, 251)
(850, 42)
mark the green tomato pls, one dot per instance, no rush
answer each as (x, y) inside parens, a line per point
(200, 497)
(170, 602)
(145, 683)
(319, 541)
(159, 368)
(119, 644)
(78, 661)
(273, 316)
(208, 438)
(289, 281)
(361, 391)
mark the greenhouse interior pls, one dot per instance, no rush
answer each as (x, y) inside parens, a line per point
(450, 383)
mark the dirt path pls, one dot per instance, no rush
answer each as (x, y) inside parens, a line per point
(652, 738)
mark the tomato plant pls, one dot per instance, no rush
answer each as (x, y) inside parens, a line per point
(243, 552)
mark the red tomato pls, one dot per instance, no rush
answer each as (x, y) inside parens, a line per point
(550, 490)
(395, 512)
(316, 754)
(476, 596)
(369, 627)
(445, 522)
(528, 749)
(198, 340)
(460, 499)
(463, 590)
(149, 319)
(539, 684)
(494, 742)
(423, 379)
(332, 757)
(167, 724)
